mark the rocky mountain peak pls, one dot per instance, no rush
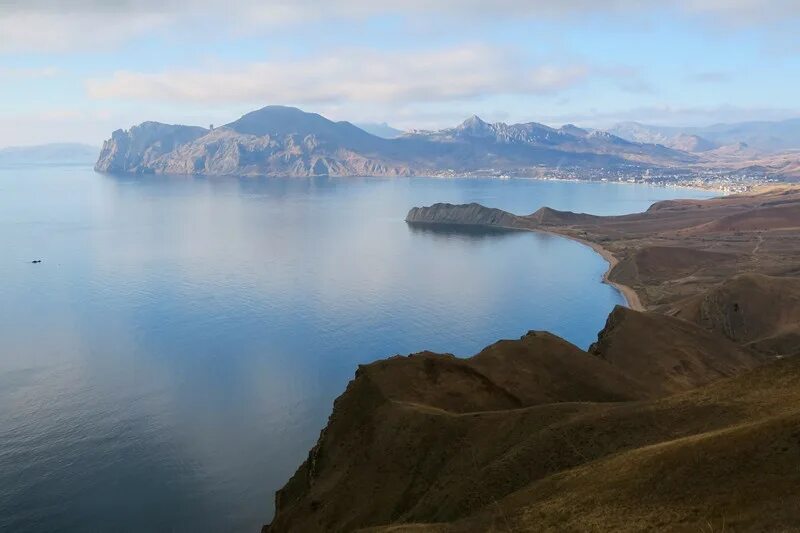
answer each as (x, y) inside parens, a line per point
(474, 126)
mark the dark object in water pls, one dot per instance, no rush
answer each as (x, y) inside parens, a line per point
(36, 261)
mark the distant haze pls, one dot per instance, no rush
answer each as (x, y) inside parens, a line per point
(56, 153)
(381, 130)
(762, 135)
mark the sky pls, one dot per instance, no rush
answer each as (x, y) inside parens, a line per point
(75, 70)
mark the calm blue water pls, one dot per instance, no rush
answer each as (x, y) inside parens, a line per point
(172, 360)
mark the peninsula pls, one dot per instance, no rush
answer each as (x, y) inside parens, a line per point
(682, 415)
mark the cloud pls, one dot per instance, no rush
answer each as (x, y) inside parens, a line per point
(26, 30)
(668, 115)
(55, 25)
(709, 77)
(27, 73)
(354, 75)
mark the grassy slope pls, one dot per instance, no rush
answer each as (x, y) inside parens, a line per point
(435, 438)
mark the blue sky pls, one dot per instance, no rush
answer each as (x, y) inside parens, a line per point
(74, 70)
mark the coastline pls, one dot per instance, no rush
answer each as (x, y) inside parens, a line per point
(723, 188)
(628, 293)
(631, 297)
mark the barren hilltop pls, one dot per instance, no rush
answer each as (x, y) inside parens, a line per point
(683, 416)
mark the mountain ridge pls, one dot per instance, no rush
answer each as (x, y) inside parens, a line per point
(285, 141)
(763, 136)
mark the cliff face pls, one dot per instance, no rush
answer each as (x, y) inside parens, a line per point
(431, 438)
(140, 149)
(163, 149)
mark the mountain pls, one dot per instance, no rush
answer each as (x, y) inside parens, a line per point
(285, 141)
(763, 136)
(568, 138)
(48, 154)
(381, 130)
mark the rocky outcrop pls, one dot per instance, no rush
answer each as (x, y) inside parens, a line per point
(142, 148)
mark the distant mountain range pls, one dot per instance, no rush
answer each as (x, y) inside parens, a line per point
(761, 136)
(381, 130)
(48, 154)
(285, 141)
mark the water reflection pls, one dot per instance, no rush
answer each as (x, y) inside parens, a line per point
(467, 232)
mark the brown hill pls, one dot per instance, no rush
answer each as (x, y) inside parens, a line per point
(434, 438)
(738, 473)
(659, 263)
(548, 217)
(465, 215)
(759, 219)
(762, 311)
(666, 354)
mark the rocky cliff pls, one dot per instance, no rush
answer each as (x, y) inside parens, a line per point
(143, 148)
(275, 141)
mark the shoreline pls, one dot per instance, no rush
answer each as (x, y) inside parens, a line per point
(714, 187)
(628, 293)
(630, 296)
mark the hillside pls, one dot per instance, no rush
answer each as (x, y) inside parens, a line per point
(760, 311)
(438, 439)
(284, 141)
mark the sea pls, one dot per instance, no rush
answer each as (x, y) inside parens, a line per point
(173, 357)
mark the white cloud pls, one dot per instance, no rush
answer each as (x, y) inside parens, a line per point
(25, 30)
(350, 76)
(54, 25)
(670, 115)
(27, 73)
